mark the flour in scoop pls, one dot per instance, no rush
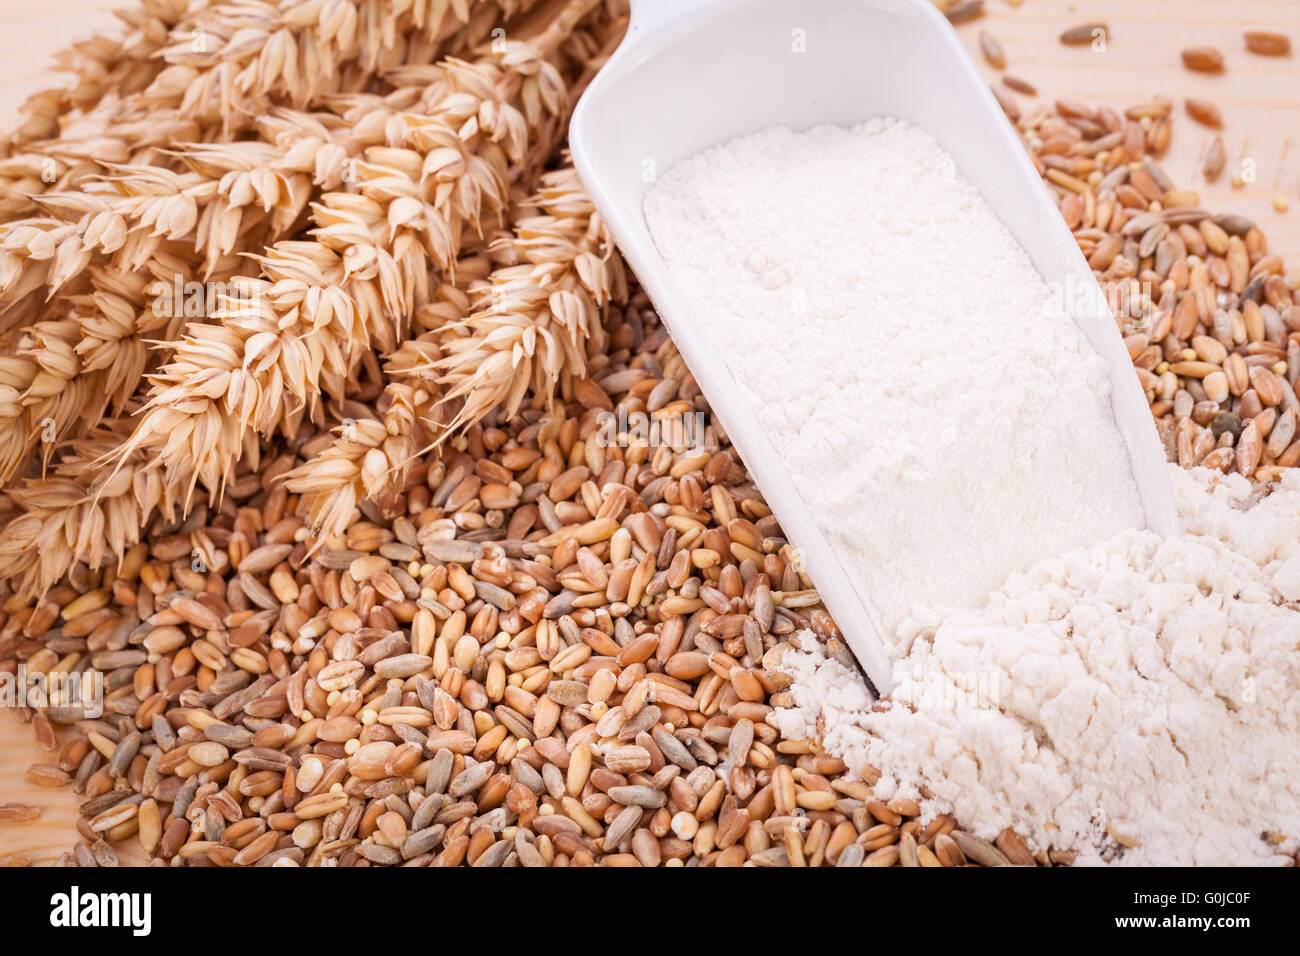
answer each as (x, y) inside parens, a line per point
(944, 424)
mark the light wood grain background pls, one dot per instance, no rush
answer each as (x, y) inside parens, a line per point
(1259, 97)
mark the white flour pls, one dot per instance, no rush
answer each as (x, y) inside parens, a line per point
(947, 430)
(1151, 686)
(895, 343)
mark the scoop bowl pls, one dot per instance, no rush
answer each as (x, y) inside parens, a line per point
(694, 73)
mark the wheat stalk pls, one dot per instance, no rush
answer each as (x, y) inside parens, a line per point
(218, 55)
(223, 63)
(538, 313)
(371, 459)
(536, 319)
(87, 342)
(365, 271)
(76, 516)
(138, 220)
(318, 306)
(537, 316)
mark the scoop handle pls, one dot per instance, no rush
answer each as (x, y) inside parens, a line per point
(649, 16)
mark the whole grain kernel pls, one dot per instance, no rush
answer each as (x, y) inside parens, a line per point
(1203, 59)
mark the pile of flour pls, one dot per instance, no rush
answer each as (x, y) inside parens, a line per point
(1150, 687)
(944, 425)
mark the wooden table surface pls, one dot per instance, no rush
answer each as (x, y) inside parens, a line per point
(1259, 97)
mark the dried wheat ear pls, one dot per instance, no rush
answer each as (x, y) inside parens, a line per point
(345, 183)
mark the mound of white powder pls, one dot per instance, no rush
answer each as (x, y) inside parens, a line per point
(1150, 687)
(942, 424)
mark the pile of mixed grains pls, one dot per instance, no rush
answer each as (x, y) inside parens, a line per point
(1210, 317)
(366, 575)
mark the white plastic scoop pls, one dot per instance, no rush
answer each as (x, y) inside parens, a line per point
(694, 73)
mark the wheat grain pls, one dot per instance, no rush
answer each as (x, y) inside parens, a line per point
(1201, 301)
